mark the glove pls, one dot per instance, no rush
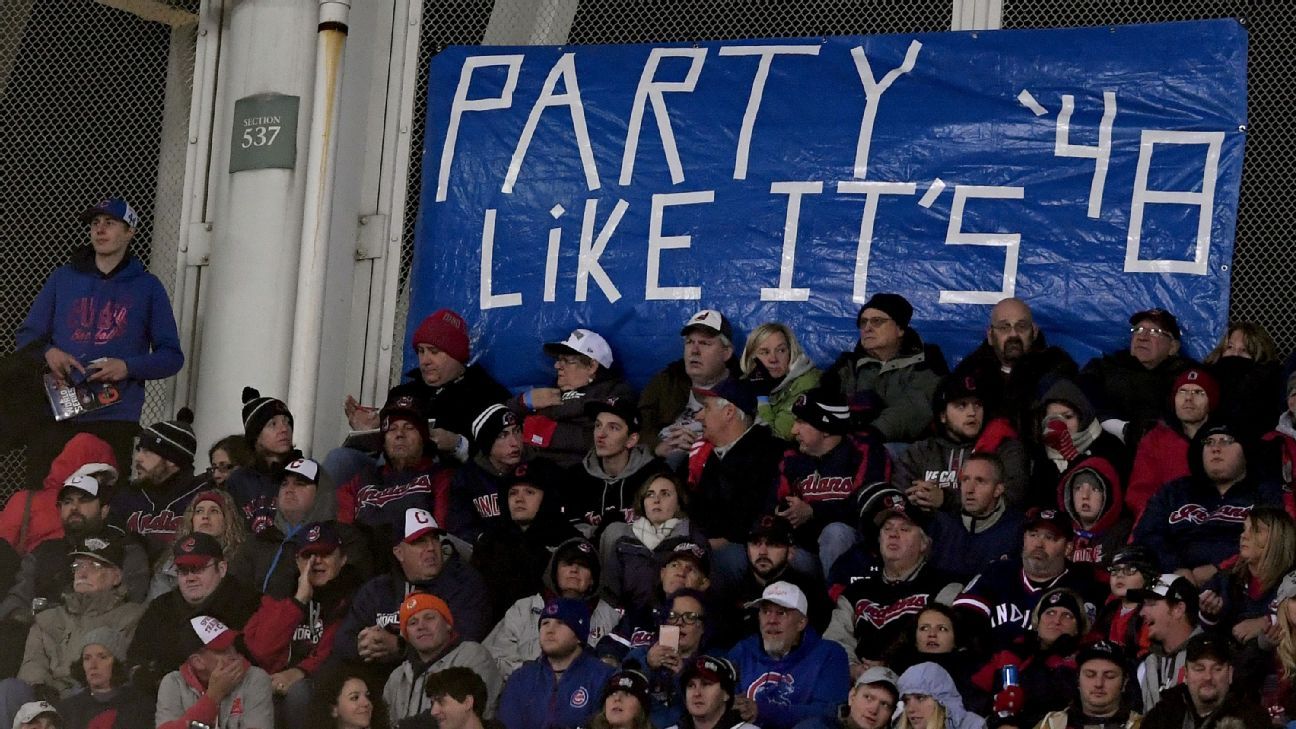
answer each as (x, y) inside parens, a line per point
(1058, 437)
(538, 430)
(1009, 701)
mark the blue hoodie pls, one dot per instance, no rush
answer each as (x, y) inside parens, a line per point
(808, 683)
(534, 699)
(123, 314)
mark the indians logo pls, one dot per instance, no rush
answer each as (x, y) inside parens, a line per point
(377, 496)
(579, 698)
(1197, 514)
(188, 545)
(816, 487)
(772, 688)
(163, 522)
(314, 534)
(878, 615)
(487, 506)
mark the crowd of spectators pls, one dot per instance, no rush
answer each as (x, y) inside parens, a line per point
(750, 541)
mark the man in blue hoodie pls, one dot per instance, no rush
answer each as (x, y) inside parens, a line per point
(788, 672)
(562, 687)
(104, 319)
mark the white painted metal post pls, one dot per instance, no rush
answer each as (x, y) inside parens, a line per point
(249, 288)
(311, 269)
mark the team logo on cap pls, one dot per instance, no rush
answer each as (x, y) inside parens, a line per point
(551, 609)
(404, 401)
(508, 418)
(297, 463)
(1048, 514)
(314, 534)
(96, 543)
(1055, 598)
(625, 682)
(411, 603)
(579, 697)
(188, 545)
(585, 547)
(801, 401)
(893, 502)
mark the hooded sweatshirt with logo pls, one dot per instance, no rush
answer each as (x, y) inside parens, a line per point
(807, 683)
(1189, 523)
(1096, 543)
(537, 698)
(122, 314)
(516, 638)
(593, 495)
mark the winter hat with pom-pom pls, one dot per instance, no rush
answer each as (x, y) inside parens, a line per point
(258, 410)
(172, 439)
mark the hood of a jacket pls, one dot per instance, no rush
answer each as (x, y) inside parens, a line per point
(1197, 467)
(1069, 393)
(640, 456)
(83, 448)
(912, 352)
(551, 569)
(931, 680)
(796, 368)
(1108, 480)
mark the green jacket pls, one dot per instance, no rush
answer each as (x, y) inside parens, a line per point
(905, 384)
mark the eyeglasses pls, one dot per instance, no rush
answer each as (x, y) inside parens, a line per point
(182, 571)
(220, 468)
(873, 322)
(1021, 327)
(1219, 441)
(1124, 571)
(570, 360)
(88, 564)
(687, 618)
(1151, 331)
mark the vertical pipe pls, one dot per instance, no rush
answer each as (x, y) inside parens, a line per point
(303, 374)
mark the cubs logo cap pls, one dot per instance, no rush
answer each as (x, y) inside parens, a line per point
(114, 207)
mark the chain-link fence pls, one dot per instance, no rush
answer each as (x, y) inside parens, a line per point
(1261, 290)
(82, 93)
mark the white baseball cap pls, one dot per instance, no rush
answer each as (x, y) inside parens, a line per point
(584, 342)
(304, 467)
(32, 709)
(82, 482)
(417, 523)
(783, 594)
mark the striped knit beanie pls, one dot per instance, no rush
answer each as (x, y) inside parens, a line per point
(172, 439)
(257, 411)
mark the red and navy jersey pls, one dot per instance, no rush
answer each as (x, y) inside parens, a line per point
(827, 483)
(1188, 523)
(1004, 595)
(884, 612)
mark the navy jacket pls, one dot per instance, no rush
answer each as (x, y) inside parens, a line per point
(533, 699)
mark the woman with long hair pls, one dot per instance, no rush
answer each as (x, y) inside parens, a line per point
(213, 513)
(779, 370)
(631, 552)
(1279, 693)
(225, 455)
(625, 703)
(1249, 371)
(1240, 597)
(938, 636)
(107, 700)
(343, 700)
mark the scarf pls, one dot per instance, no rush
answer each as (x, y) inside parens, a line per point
(651, 535)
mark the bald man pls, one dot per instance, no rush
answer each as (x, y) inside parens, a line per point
(1016, 357)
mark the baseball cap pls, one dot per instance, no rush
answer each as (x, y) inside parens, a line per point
(583, 342)
(712, 670)
(418, 522)
(407, 408)
(622, 407)
(1286, 588)
(783, 594)
(1169, 587)
(320, 537)
(417, 602)
(1206, 645)
(1136, 556)
(1055, 519)
(773, 528)
(113, 207)
(879, 674)
(711, 320)
(197, 550)
(213, 633)
(108, 551)
(895, 504)
(823, 410)
(29, 711)
(683, 548)
(82, 482)
(734, 390)
(305, 468)
(1102, 650)
(1162, 318)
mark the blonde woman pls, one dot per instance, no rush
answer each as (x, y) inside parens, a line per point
(1280, 688)
(1238, 600)
(776, 366)
(932, 702)
(1249, 370)
(213, 513)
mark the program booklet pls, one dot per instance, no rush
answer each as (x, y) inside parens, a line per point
(78, 398)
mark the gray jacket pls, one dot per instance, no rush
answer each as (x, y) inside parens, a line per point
(181, 699)
(404, 690)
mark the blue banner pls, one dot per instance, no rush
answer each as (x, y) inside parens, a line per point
(1092, 172)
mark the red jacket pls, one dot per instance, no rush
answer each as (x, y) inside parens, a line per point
(43, 520)
(1162, 457)
(269, 634)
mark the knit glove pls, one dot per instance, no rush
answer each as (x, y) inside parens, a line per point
(1058, 437)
